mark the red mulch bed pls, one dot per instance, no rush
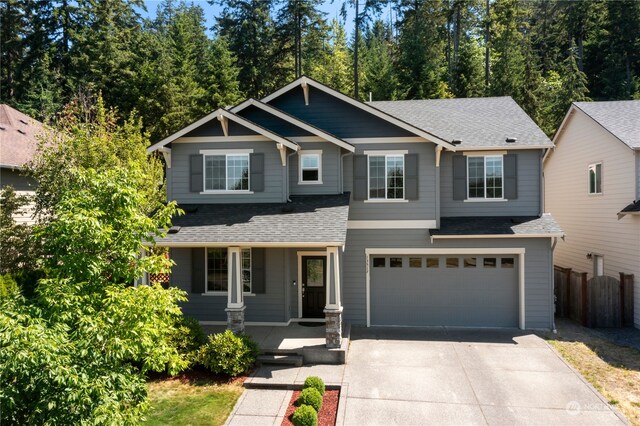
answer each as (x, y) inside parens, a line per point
(327, 414)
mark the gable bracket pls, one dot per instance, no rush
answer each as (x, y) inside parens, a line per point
(283, 153)
(224, 121)
(166, 153)
(305, 91)
(438, 152)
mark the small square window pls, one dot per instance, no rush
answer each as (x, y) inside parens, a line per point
(379, 262)
(507, 262)
(489, 262)
(433, 262)
(395, 262)
(311, 167)
(470, 262)
(453, 262)
(415, 262)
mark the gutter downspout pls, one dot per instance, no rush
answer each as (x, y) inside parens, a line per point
(554, 241)
(342, 157)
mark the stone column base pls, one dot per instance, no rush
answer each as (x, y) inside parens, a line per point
(333, 327)
(235, 319)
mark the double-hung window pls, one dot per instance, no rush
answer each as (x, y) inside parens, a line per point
(485, 177)
(218, 270)
(595, 178)
(310, 167)
(386, 177)
(226, 171)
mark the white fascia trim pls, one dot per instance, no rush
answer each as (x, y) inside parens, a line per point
(387, 152)
(213, 139)
(231, 116)
(391, 224)
(476, 153)
(185, 244)
(301, 124)
(495, 236)
(368, 108)
(410, 139)
(225, 151)
(442, 251)
(503, 147)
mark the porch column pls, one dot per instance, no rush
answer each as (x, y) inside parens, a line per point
(235, 300)
(333, 307)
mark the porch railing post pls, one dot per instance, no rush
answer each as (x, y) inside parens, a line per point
(333, 305)
(235, 300)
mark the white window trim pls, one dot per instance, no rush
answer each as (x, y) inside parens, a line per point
(226, 152)
(484, 164)
(317, 152)
(386, 155)
(224, 293)
(594, 166)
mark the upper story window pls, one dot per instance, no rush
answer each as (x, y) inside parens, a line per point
(485, 177)
(310, 167)
(218, 272)
(226, 171)
(595, 178)
(386, 177)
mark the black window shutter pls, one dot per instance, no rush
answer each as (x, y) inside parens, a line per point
(258, 270)
(256, 170)
(360, 177)
(411, 176)
(459, 177)
(511, 176)
(196, 179)
(198, 270)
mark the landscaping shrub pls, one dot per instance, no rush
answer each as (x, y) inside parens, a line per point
(188, 338)
(228, 354)
(314, 382)
(310, 396)
(305, 415)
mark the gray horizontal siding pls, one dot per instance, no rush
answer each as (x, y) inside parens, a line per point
(273, 123)
(267, 307)
(424, 208)
(330, 170)
(274, 179)
(347, 170)
(527, 203)
(213, 127)
(335, 116)
(538, 267)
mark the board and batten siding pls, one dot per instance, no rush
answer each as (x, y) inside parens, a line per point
(538, 269)
(424, 208)
(528, 198)
(268, 307)
(178, 180)
(330, 170)
(590, 221)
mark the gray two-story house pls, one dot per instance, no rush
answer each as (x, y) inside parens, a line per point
(308, 205)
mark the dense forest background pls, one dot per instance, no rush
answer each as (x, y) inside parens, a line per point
(173, 69)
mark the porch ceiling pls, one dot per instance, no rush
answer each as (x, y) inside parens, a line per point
(318, 219)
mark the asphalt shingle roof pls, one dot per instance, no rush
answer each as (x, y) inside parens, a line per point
(621, 118)
(477, 122)
(18, 137)
(495, 225)
(632, 208)
(306, 219)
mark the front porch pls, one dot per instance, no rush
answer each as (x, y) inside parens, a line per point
(309, 342)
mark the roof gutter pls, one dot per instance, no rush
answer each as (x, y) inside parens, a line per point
(495, 236)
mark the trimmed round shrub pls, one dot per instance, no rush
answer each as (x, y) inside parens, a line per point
(305, 415)
(188, 338)
(314, 382)
(226, 353)
(310, 396)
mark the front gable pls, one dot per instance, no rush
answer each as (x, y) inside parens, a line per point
(270, 121)
(213, 128)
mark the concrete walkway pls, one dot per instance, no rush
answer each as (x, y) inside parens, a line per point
(441, 376)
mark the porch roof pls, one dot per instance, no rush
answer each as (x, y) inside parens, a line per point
(504, 226)
(306, 220)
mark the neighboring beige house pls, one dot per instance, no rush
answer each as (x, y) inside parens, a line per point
(592, 188)
(18, 144)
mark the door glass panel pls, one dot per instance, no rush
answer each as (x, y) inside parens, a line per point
(315, 273)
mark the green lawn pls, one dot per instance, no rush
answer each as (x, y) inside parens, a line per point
(191, 401)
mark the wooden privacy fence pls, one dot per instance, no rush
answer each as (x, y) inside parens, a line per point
(599, 302)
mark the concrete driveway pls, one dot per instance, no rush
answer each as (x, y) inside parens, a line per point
(456, 376)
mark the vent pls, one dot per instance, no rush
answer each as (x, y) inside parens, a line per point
(22, 132)
(511, 140)
(456, 142)
(22, 121)
(174, 230)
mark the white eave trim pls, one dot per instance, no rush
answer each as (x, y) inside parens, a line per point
(186, 244)
(508, 147)
(493, 236)
(231, 116)
(391, 224)
(298, 123)
(363, 106)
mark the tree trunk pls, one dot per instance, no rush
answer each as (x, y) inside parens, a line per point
(486, 50)
(355, 52)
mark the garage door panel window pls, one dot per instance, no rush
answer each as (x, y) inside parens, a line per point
(507, 262)
(415, 262)
(395, 262)
(470, 262)
(485, 177)
(453, 262)
(489, 262)
(379, 262)
(433, 262)
(386, 177)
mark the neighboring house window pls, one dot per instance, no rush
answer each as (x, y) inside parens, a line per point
(386, 177)
(226, 172)
(218, 270)
(595, 178)
(598, 265)
(485, 177)
(311, 167)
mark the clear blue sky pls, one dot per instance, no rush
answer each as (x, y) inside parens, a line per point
(332, 10)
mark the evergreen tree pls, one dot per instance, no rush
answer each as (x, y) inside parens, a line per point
(378, 72)
(12, 28)
(334, 69)
(467, 80)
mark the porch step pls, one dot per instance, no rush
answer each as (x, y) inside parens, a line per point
(295, 360)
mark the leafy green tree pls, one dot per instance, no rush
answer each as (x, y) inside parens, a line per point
(334, 69)
(16, 250)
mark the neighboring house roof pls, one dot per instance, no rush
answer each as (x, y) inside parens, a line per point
(18, 137)
(223, 114)
(306, 220)
(633, 208)
(479, 123)
(620, 118)
(498, 226)
(293, 120)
